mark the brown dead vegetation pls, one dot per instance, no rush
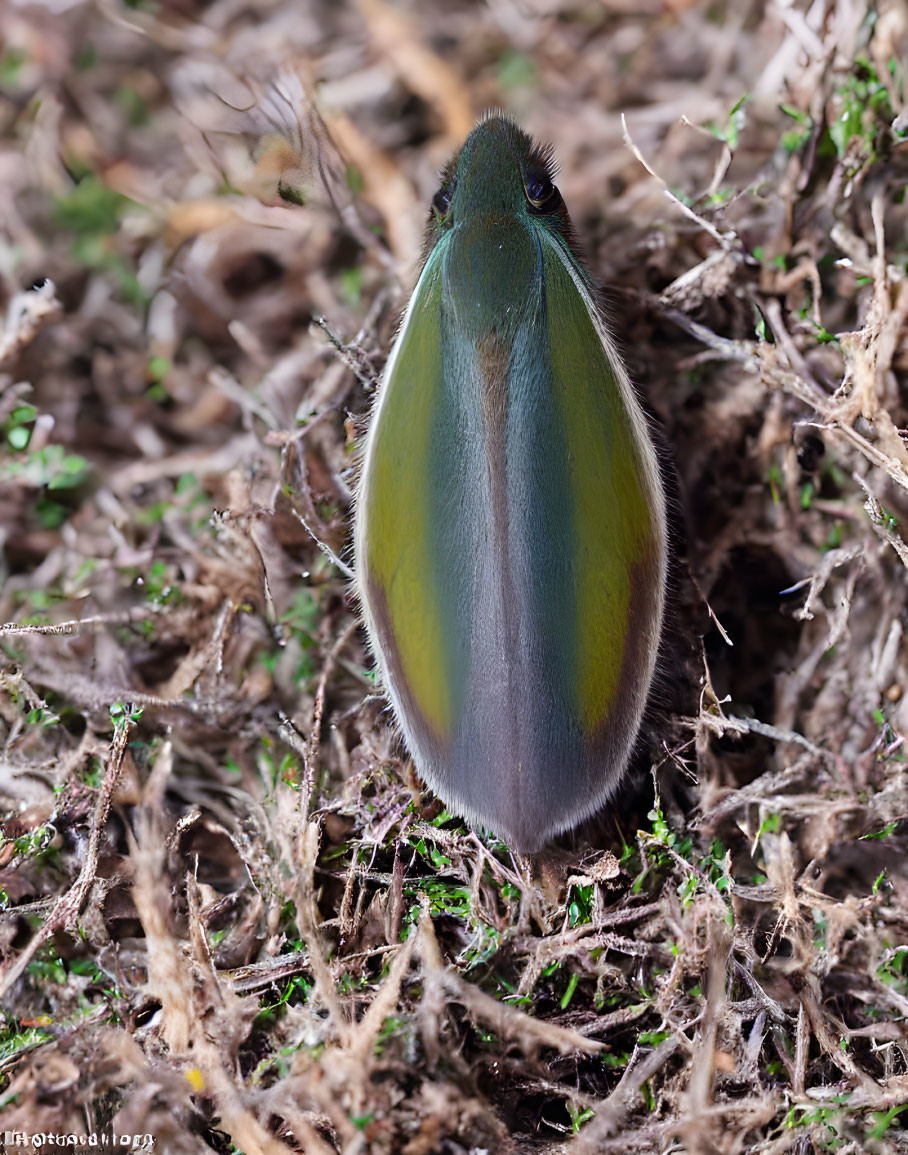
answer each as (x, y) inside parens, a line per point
(231, 919)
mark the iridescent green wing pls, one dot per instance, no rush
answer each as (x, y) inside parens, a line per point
(616, 505)
(395, 524)
(565, 589)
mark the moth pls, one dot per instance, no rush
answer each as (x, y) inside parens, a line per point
(510, 527)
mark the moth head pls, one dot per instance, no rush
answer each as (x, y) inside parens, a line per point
(499, 172)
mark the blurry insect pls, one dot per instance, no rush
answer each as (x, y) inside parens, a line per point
(510, 531)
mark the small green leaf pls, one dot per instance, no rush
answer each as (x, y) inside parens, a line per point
(569, 992)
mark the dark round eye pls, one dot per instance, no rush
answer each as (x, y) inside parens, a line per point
(539, 190)
(441, 202)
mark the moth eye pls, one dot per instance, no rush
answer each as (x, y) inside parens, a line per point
(539, 191)
(441, 202)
